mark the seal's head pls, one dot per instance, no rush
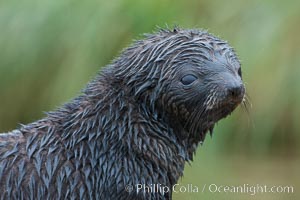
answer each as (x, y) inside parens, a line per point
(189, 78)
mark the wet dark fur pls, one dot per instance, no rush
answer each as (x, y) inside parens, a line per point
(135, 123)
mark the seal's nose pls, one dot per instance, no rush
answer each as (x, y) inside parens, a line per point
(236, 91)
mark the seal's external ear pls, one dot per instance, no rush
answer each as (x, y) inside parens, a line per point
(240, 72)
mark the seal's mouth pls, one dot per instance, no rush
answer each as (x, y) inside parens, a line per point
(205, 120)
(224, 105)
(222, 111)
(219, 101)
(219, 107)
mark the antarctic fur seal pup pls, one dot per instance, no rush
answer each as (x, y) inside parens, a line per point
(136, 123)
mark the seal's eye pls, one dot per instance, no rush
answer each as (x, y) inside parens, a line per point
(188, 79)
(240, 72)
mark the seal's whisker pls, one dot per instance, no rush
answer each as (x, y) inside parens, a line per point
(246, 104)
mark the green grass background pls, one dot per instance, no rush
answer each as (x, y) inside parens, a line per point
(50, 49)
